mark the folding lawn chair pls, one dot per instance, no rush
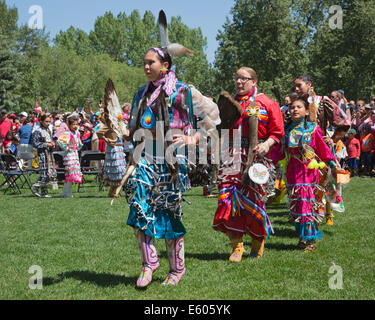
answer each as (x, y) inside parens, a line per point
(26, 154)
(86, 158)
(15, 176)
(2, 168)
(60, 168)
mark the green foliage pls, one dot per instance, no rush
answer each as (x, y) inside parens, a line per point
(80, 63)
(262, 36)
(9, 58)
(9, 74)
(194, 70)
(65, 79)
(280, 39)
(127, 38)
(126, 79)
(109, 36)
(75, 40)
(268, 36)
(29, 45)
(8, 20)
(142, 34)
(344, 58)
(285, 38)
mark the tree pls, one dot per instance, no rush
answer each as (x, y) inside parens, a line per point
(125, 78)
(133, 35)
(262, 35)
(345, 58)
(142, 34)
(9, 74)
(29, 45)
(194, 70)
(76, 65)
(8, 20)
(61, 79)
(75, 40)
(109, 36)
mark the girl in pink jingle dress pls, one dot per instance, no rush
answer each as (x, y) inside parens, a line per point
(306, 154)
(70, 143)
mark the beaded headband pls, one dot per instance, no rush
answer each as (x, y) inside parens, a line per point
(159, 52)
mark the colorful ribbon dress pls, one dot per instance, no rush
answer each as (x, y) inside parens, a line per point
(241, 208)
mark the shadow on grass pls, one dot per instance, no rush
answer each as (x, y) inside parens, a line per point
(282, 246)
(278, 213)
(325, 231)
(208, 256)
(100, 279)
(280, 206)
(84, 196)
(17, 195)
(285, 233)
(281, 222)
(224, 256)
(277, 246)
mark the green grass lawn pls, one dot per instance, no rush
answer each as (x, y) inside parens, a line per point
(86, 251)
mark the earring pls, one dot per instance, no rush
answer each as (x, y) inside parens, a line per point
(163, 71)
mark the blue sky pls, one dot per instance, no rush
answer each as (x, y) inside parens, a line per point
(209, 15)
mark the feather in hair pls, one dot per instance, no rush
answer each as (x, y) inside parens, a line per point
(174, 49)
(163, 28)
(178, 50)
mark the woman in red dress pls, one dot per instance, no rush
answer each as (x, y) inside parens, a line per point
(241, 207)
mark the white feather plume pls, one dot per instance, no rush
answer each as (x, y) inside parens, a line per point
(163, 28)
(178, 50)
(174, 49)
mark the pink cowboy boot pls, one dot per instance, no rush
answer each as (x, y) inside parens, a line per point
(149, 257)
(176, 257)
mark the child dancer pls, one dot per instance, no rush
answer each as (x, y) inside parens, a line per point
(157, 214)
(115, 159)
(304, 147)
(70, 143)
(41, 139)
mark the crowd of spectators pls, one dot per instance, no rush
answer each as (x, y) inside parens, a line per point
(359, 140)
(16, 130)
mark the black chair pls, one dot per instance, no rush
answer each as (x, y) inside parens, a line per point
(25, 153)
(59, 162)
(2, 168)
(86, 158)
(15, 176)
